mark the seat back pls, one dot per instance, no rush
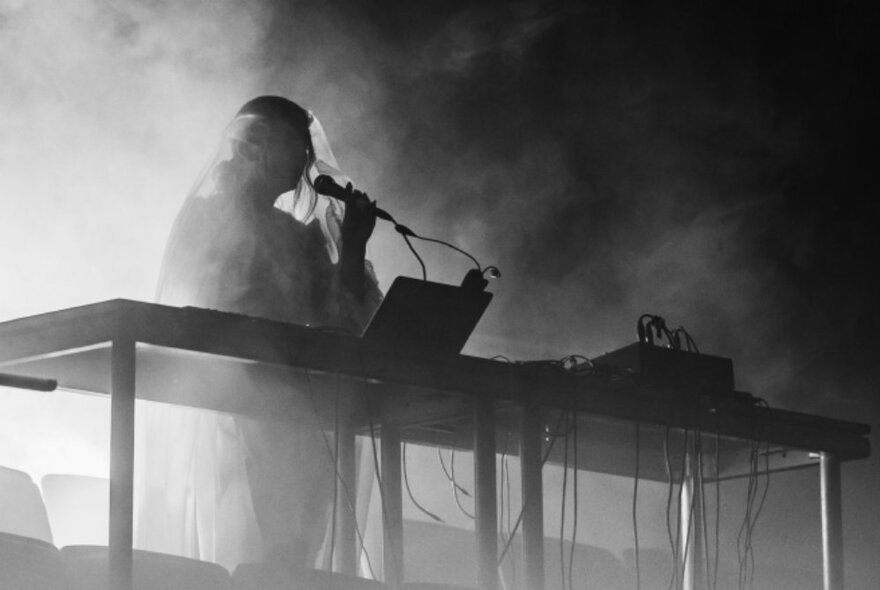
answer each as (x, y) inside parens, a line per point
(78, 508)
(30, 564)
(22, 511)
(431, 549)
(88, 565)
(432, 586)
(439, 554)
(595, 568)
(257, 576)
(655, 567)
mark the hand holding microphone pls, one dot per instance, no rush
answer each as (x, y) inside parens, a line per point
(349, 195)
(360, 213)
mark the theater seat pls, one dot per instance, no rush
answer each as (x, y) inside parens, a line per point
(78, 508)
(431, 549)
(257, 576)
(595, 568)
(21, 506)
(87, 565)
(432, 586)
(31, 564)
(439, 554)
(655, 567)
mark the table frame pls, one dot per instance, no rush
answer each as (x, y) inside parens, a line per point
(96, 347)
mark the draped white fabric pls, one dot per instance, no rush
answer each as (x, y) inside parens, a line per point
(232, 489)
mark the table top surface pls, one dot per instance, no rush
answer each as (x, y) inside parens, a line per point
(210, 359)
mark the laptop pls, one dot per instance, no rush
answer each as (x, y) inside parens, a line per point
(427, 316)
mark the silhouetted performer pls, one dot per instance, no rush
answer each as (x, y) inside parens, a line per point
(254, 237)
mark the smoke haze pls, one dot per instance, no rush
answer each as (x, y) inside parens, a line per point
(706, 162)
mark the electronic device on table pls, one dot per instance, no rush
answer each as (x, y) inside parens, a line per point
(427, 316)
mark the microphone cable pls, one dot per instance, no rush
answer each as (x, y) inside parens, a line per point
(325, 185)
(406, 233)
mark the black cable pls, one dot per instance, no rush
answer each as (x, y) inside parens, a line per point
(509, 528)
(677, 334)
(703, 518)
(505, 485)
(416, 254)
(385, 522)
(739, 557)
(525, 500)
(509, 501)
(574, 431)
(671, 340)
(378, 470)
(669, 491)
(336, 468)
(644, 333)
(501, 497)
(750, 554)
(753, 492)
(655, 327)
(447, 474)
(447, 244)
(407, 233)
(376, 467)
(762, 402)
(742, 540)
(748, 568)
(763, 495)
(345, 489)
(757, 513)
(717, 507)
(659, 325)
(562, 511)
(455, 488)
(691, 344)
(501, 487)
(635, 510)
(746, 541)
(409, 490)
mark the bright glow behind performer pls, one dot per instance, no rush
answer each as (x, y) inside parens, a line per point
(254, 237)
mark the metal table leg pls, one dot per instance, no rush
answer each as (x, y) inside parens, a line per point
(832, 525)
(122, 396)
(393, 509)
(686, 525)
(486, 509)
(533, 496)
(346, 558)
(691, 523)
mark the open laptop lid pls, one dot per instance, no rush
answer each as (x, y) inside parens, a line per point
(426, 316)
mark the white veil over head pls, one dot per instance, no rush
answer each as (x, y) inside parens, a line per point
(305, 203)
(238, 162)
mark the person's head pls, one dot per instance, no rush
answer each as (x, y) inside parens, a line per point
(271, 147)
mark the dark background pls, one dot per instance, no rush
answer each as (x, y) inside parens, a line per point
(712, 162)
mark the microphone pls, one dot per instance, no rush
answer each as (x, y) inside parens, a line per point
(325, 185)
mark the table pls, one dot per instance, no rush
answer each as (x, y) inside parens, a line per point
(129, 349)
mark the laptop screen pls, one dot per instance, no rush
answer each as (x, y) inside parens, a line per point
(427, 316)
